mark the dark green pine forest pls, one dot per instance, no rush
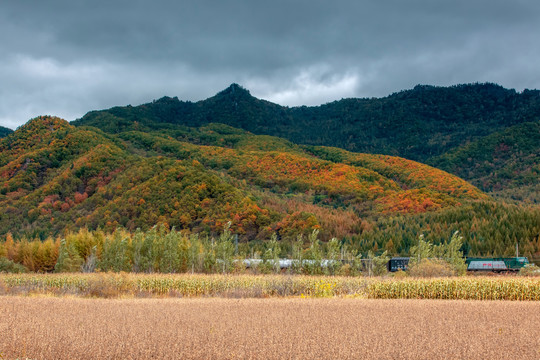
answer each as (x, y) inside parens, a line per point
(374, 173)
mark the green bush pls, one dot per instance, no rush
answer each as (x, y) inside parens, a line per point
(9, 266)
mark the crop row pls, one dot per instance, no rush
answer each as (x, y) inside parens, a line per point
(246, 286)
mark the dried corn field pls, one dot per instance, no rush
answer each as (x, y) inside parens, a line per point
(110, 285)
(218, 328)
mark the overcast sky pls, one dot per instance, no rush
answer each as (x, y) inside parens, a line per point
(68, 57)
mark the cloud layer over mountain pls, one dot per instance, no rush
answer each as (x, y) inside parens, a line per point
(64, 58)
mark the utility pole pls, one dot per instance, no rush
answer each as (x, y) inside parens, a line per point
(420, 238)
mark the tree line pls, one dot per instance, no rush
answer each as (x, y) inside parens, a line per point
(163, 250)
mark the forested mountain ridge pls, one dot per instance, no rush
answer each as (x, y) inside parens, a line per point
(4, 131)
(506, 162)
(179, 163)
(421, 124)
(56, 176)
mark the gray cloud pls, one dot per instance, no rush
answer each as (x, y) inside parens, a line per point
(68, 57)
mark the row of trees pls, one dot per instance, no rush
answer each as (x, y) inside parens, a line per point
(171, 251)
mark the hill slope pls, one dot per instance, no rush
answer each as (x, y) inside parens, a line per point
(53, 172)
(506, 162)
(4, 131)
(421, 124)
(56, 176)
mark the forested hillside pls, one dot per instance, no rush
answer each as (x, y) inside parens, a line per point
(422, 124)
(57, 177)
(4, 131)
(506, 162)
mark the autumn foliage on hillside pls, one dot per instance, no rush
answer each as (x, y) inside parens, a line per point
(56, 177)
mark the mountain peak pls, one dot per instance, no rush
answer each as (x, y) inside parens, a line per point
(235, 90)
(46, 122)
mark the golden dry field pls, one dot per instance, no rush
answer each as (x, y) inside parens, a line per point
(218, 328)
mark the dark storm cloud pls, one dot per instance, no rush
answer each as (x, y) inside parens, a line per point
(68, 57)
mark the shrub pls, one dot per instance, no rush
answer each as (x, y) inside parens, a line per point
(103, 286)
(400, 274)
(345, 270)
(9, 266)
(238, 267)
(431, 268)
(530, 270)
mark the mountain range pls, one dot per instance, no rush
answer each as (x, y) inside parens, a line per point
(470, 130)
(375, 173)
